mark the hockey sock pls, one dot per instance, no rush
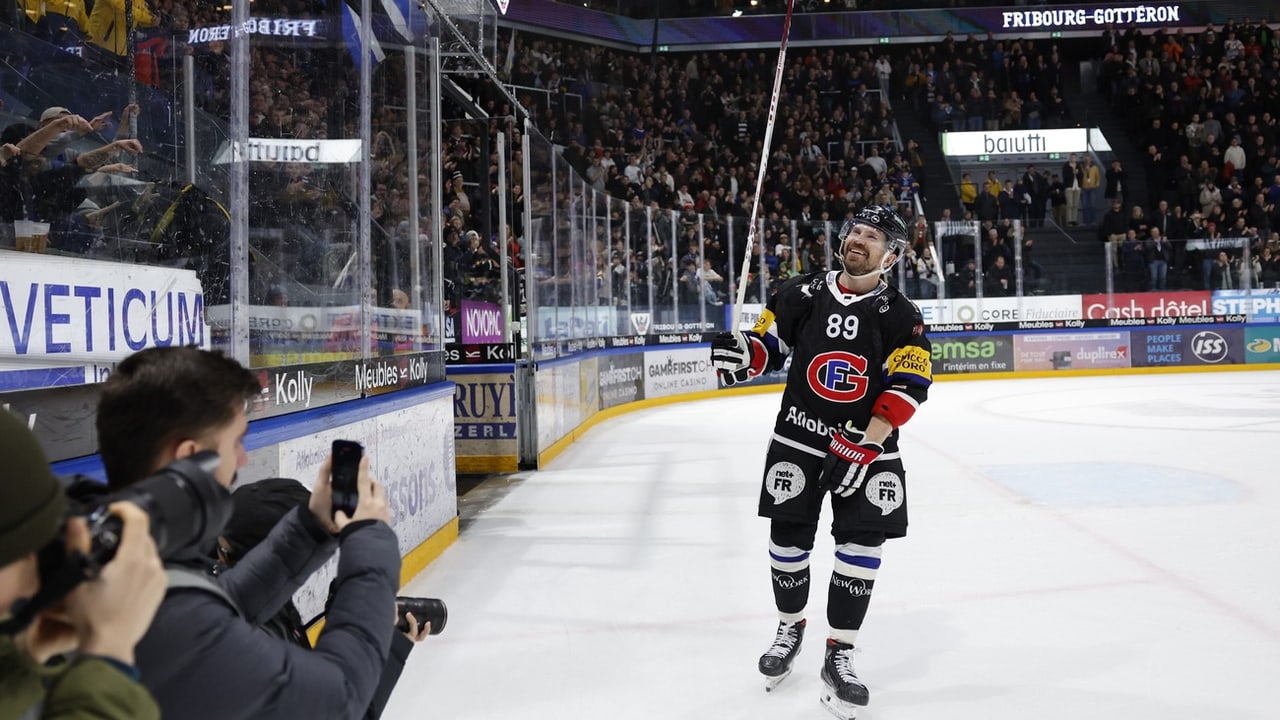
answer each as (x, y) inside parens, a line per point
(849, 596)
(790, 568)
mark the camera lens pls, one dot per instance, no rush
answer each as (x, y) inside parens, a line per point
(425, 610)
(186, 505)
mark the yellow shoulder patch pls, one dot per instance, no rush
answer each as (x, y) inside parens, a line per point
(764, 323)
(911, 359)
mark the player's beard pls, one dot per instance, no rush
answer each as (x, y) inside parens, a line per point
(857, 264)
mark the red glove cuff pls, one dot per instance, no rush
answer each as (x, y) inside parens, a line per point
(845, 449)
(759, 355)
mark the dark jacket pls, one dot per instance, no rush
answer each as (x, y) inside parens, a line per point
(202, 659)
(87, 687)
(288, 625)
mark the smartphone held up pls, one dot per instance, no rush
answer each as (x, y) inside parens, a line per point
(344, 476)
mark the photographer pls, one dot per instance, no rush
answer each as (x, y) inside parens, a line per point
(167, 403)
(258, 508)
(101, 620)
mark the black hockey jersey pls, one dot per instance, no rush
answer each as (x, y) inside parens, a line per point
(849, 355)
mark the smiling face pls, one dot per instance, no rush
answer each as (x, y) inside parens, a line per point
(863, 250)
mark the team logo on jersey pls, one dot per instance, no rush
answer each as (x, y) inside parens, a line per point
(885, 491)
(838, 376)
(784, 480)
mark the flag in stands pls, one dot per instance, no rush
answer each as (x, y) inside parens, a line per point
(351, 35)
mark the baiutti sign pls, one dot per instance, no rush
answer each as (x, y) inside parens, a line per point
(1015, 142)
(310, 152)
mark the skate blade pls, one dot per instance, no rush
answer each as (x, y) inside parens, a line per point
(772, 682)
(838, 707)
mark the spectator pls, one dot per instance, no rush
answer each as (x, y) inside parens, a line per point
(100, 621)
(1223, 275)
(1117, 183)
(1159, 254)
(1090, 181)
(964, 281)
(259, 507)
(107, 32)
(167, 403)
(1073, 185)
(998, 280)
(1133, 262)
(1233, 158)
(968, 192)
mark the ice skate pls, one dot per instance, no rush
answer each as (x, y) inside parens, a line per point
(842, 692)
(775, 664)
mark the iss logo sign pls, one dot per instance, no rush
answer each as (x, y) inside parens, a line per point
(1222, 346)
(1209, 346)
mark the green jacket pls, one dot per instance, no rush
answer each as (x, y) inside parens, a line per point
(86, 688)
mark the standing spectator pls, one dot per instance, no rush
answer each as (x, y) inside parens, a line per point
(1222, 275)
(1072, 183)
(1058, 200)
(107, 32)
(1011, 202)
(1159, 254)
(1090, 180)
(1234, 157)
(968, 192)
(1133, 262)
(1269, 268)
(1117, 183)
(884, 72)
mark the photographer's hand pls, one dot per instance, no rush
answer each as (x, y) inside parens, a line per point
(112, 612)
(416, 633)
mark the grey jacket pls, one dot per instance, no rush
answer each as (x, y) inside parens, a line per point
(201, 659)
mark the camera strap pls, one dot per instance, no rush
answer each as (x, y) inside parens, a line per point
(185, 578)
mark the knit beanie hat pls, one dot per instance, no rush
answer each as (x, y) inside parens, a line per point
(258, 507)
(32, 501)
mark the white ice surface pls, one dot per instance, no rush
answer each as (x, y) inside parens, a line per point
(1101, 548)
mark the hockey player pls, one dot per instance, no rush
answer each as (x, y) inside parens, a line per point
(860, 367)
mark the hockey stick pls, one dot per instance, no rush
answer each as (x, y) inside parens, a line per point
(764, 163)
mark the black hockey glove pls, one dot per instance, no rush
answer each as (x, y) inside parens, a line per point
(738, 356)
(849, 456)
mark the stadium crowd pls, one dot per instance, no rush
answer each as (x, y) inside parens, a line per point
(679, 134)
(1203, 108)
